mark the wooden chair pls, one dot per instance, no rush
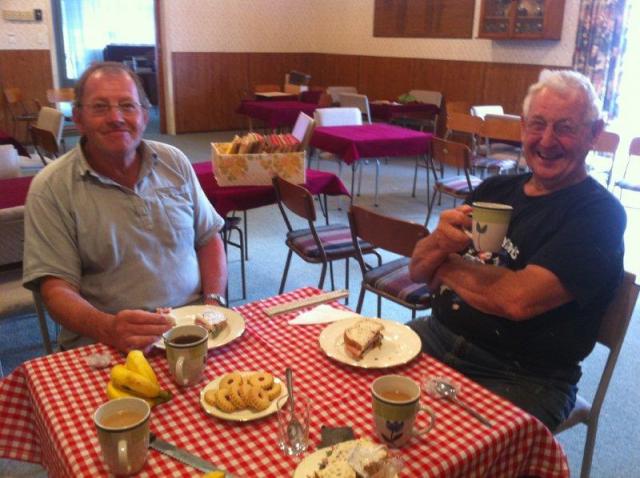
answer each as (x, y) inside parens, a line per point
(612, 332)
(62, 99)
(45, 136)
(422, 121)
(15, 300)
(232, 224)
(456, 155)
(458, 107)
(45, 144)
(503, 145)
(316, 245)
(631, 184)
(334, 92)
(602, 157)
(19, 109)
(390, 280)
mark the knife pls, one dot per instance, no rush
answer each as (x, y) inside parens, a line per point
(183, 456)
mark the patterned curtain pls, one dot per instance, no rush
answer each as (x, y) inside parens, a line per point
(600, 46)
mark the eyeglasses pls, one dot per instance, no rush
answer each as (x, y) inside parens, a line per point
(101, 108)
(561, 129)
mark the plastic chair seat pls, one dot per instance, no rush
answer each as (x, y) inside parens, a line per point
(392, 279)
(457, 185)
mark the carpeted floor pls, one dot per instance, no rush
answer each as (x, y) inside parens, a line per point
(616, 447)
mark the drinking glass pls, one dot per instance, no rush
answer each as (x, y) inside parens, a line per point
(293, 439)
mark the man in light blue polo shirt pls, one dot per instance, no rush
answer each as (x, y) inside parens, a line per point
(119, 227)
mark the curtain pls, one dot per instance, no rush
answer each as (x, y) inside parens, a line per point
(600, 46)
(90, 25)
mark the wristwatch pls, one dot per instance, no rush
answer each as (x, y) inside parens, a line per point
(217, 297)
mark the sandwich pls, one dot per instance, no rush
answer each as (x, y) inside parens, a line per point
(357, 458)
(212, 320)
(362, 336)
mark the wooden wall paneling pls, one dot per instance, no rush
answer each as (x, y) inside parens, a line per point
(333, 70)
(266, 68)
(29, 70)
(427, 74)
(384, 77)
(507, 84)
(463, 80)
(208, 88)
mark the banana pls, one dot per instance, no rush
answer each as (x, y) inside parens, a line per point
(114, 392)
(133, 382)
(136, 362)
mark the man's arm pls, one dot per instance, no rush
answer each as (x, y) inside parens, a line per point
(213, 267)
(126, 330)
(515, 295)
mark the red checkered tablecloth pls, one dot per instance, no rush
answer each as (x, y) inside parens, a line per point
(46, 408)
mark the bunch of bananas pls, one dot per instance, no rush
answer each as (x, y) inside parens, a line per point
(136, 378)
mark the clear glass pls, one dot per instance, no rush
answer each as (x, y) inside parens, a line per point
(293, 439)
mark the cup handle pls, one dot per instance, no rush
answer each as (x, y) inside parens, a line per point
(432, 422)
(180, 378)
(123, 460)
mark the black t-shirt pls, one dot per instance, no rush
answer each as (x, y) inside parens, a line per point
(576, 233)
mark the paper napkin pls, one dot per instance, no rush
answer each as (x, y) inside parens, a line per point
(322, 314)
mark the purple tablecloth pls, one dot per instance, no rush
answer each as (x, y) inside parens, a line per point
(389, 111)
(14, 191)
(275, 114)
(376, 140)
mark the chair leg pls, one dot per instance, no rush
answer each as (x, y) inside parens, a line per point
(415, 179)
(413, 314)
(42, 320)
(360, 178)
(333, 283)
(379, 305)
(286, 271)
(430, 207)
(245, 226)
(375, 200)
(589, 445)
(346, 278)
(360, 299)
(323, 273)
(242, 243)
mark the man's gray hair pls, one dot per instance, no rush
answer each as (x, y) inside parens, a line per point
(565, 82)
(110, 67)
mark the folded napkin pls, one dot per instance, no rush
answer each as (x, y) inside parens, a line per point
(322, 314)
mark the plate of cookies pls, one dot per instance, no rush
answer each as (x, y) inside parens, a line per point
(242, 395)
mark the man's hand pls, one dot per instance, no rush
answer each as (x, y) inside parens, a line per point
(449, 237)
(137, 329)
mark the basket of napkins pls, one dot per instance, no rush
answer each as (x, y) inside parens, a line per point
(254, 159)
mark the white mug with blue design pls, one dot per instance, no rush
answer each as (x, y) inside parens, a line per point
(396, 404)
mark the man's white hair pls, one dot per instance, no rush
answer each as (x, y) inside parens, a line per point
(565, 82)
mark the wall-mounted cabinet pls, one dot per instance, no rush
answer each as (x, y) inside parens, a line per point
(521, 19)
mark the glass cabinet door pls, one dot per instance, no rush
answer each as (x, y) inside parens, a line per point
(496, 18)
(529, 19)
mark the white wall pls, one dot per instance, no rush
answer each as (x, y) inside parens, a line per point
(26, 35)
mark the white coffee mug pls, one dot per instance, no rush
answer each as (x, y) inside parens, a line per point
(396, 404)
(187, 347)
(123, 433)
(490, 222)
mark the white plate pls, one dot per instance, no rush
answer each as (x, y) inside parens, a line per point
(400, 345)
(245, 415)
(233, 330)
(311, 463)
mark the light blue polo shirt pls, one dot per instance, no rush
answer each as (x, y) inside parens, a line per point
(123, 248)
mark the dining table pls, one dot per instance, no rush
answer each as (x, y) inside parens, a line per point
(275, 114)
(376, 140)
(47, 405)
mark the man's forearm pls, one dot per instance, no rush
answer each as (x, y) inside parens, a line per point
(212, 262)
(426, 259)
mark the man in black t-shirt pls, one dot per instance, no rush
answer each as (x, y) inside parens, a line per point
(522, 324)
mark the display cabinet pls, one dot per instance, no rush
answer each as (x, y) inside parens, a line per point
(521, 19)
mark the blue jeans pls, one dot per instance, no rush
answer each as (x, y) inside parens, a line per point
(549, 396)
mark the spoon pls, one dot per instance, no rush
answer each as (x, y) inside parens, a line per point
(448, 391)
(294, 428)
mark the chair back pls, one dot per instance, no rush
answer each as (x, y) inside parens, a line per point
(52, 120)
(634, 147)
(357, 101)
(501, 129)
(607, 142)
(338, 117)
(302, 129)
(466, 124)
(618, 314)
(60, 95)
(266, 88)
(296, 199)
(16, 102)
(483, 110)
(458, 107)
(12, 236)
(45, 144)
(451, 153)
(334, 92)
(427, 96)
(385, 232)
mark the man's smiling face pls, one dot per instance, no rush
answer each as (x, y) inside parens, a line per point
(556, 138)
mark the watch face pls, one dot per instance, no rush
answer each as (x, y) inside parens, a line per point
(218, 298)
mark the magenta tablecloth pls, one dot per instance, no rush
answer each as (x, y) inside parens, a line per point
(7, 139)
(376, 140)
(390, 111)
(241, 198)
(276, 114)
(13, 191)
(47, 403)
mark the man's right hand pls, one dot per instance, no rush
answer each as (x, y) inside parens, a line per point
(137, 329)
